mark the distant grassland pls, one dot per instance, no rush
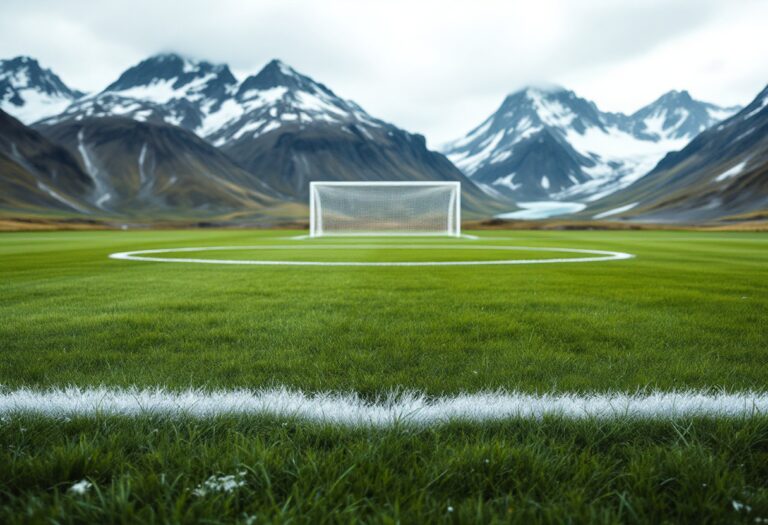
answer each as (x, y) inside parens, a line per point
(689, 312)
(285, 217)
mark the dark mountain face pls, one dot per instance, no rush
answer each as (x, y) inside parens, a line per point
(141, 169)
(556, 163)
(722, 172)
(277, 74)
(30, 92)
(172, 78)
(582, 153)
(37, 175)
(292, 156)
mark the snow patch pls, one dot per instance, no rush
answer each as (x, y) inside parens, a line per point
(250, 126)
(471, 163)
(212, 122)
(103, 199)
(36, 106)
(313, 103)
(265, 96)
(551, 112)
(506, 181)
(615, 211)
(61, 198)
(758, 109)
(269, 127)
(542, 210)
(163, 91)
(738, 168)
(142, 158)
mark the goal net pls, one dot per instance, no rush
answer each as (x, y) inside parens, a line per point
(384, 208)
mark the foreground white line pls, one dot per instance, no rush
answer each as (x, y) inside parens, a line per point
(146, 255)
(402, 408)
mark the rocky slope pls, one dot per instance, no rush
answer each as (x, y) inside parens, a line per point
(141, 169)
(37, 175)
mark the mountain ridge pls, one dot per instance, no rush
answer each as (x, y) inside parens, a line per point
(599, 152)
(722, 172)
(30, 92)
(280, 125)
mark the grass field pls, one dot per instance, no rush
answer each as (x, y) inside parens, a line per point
(688, 312)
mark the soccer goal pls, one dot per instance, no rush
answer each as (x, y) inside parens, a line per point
(384, 208)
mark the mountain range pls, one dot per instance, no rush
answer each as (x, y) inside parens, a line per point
(31, 93)
(546, 143)
(174, 137)
(182, 137)
(722, 173)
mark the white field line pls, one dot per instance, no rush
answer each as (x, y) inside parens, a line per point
(394, 409)
(305, 237)
(141, 255)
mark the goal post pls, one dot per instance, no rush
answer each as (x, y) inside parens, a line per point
(384, 208)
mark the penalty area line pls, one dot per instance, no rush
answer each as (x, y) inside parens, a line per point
(348, 409)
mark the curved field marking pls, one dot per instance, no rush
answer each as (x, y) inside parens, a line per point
(140, 255)
(306, 237)
(392, 410)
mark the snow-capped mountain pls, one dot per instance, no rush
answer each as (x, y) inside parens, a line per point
(676, 115)
(723, 172)
(30, 93)
(278, 124)
(166, 88)
(546, 143)
(278, 95)
(290, 129)
(207, 99)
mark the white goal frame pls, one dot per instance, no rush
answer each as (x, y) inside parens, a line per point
(453, 216)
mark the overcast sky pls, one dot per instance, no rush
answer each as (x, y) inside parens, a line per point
(433, 67)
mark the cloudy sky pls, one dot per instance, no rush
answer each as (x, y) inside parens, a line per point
(430, 66)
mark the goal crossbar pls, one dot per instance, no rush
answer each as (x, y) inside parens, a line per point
(384, 208)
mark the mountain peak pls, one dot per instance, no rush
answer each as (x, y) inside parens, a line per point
(30, 92)
(278, 74)
(279, 67)
(675, 97)
(545, 88)
(536, 90)
(170, 66)
(21, 60)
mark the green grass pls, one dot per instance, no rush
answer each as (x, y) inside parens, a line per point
(550, 471)
(688, 312)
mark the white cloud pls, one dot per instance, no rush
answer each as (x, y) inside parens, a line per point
(435, 67)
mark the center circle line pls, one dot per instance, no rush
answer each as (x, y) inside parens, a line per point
(596, 255)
